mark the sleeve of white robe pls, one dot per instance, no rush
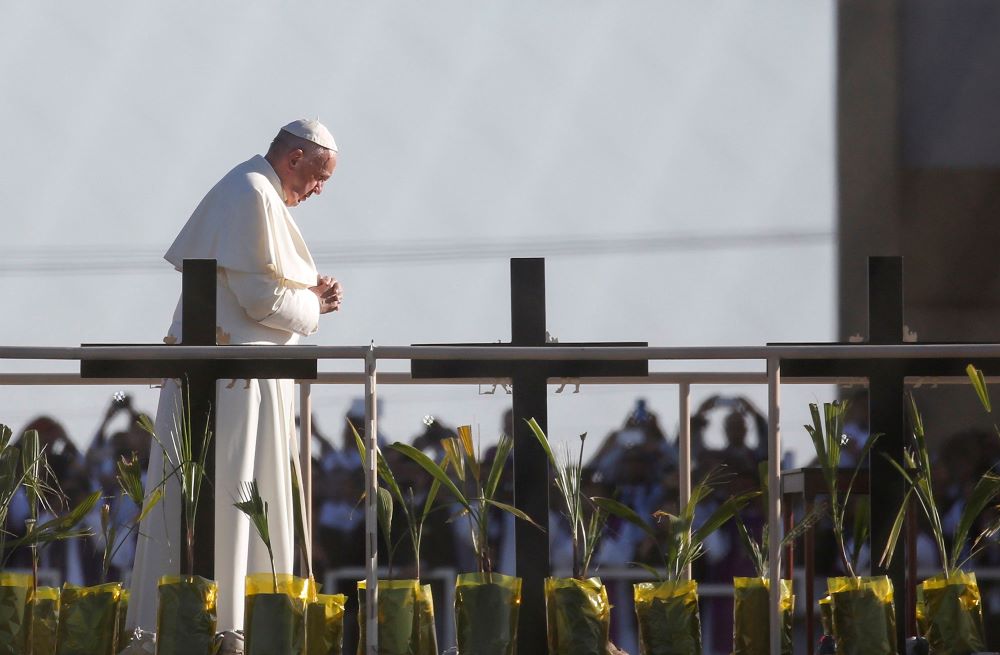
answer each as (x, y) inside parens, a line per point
(270, 303)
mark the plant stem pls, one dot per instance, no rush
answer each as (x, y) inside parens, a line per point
(190, 552)
(274, 576)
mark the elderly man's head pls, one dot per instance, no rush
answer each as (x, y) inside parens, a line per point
(302, 165)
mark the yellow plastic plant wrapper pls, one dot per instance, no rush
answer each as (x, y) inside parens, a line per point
(14, 618)
(668, 617)
(325, 624)
(123, 639)
(950, 614)
(186, 615)
(88, 620)
(864, 616)
(486, 611)
(826, 614)
(275, 622)
(578, 616)
(752, 616)
(44, 611)
(405, 618)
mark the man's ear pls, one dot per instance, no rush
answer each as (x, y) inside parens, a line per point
(295, 157)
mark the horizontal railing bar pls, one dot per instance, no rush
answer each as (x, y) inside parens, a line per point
(512, 353)
(399, 378)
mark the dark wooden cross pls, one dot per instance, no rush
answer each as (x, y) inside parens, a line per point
(887, 408)
(531, 471)
(198, 378)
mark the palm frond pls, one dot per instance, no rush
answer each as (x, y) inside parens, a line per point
(894, 532)
(862, 528)
(249, 502)
(585, 531)
(985, 491)
(979, 384)
(504, 447)
(806, 523)
(752, 548)
(727, 510)
(129, 477)
(59, 528)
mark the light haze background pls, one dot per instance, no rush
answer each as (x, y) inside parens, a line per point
(674, 161)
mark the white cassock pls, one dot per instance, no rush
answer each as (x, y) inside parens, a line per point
(264, 271)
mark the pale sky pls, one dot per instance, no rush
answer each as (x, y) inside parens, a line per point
(674, 161)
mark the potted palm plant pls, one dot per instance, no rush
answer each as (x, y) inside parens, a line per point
(667, 610)
(577, 611)
(274, 618)
(406, 608)
(862, 610)
(129, 478)
(186, 613)
(486, 602)
(30, 619)
(15, 588)
(751, 624)
(949, 607)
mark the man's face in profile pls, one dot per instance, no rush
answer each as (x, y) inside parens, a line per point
(308, 175)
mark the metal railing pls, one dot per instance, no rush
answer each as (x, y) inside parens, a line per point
(771, 355)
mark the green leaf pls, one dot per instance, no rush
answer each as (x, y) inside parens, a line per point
(129, 477)
(510, 509)
(982, 540)
(986, 489)
(723, 513)
(542, 439)
(465, 437)
(624, 512)
(504, 447)
(806, 523)
(150, 502)
(453, 455)
(31, 456)
(862, 523)
(429, 501)
(360, 444)
(384, 512)
(384, 472)
(249, 502)
(660, 577)
(433, 469)
(862, 459)
(897, 528)
(979, 384)
(60, 528)
(753, 549)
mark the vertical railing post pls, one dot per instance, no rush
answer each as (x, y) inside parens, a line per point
(305, 465)
(684, 446)
(774, 500)
(371, 498)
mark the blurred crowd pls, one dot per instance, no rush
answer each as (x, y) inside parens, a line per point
(636, 462)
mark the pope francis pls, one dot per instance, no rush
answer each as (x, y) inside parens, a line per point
(268, 292)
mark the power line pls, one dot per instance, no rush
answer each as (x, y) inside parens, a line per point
(101, 260)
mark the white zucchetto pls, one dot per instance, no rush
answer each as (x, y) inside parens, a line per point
(312, 130)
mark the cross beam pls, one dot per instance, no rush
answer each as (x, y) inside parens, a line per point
(887, 410)
(531, 470)
(198, 378)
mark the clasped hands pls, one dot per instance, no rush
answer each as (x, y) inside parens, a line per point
(329, 292)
